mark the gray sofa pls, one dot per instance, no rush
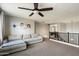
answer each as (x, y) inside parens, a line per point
(13, 46)
(33, 40)
(18, 44)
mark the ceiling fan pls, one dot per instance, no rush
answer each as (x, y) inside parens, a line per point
(36, 10)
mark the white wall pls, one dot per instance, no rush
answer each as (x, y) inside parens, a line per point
(1, 25)
(73, 27)
(60, 27)
(39, 28)
(42, 29)
(11, 20)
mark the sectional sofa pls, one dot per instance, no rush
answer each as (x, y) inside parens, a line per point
(18, 43)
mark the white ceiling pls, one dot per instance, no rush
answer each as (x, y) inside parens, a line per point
(62, 12)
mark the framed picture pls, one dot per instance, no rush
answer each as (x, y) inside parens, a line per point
(14, 25)
(28, 26)
(21, 24)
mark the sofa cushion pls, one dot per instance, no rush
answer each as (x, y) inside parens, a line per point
(33, 39)
(26, 36)
(12, 43)
(34, 35)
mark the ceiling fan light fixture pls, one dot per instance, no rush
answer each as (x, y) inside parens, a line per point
(35, 11)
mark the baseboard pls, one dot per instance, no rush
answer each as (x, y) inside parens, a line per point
(65, 43)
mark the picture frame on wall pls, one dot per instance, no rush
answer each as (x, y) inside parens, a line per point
(14, 26)
(21, 24)
(28, 26)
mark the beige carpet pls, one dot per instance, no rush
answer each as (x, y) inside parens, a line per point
(48, 48)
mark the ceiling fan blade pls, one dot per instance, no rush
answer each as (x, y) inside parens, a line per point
(41, 14)
(31, 14)
(25, 8)
(36, 5)
(45, 9)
